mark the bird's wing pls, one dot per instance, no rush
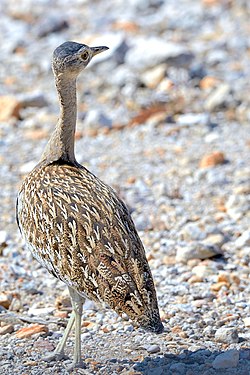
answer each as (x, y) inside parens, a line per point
(79, 229)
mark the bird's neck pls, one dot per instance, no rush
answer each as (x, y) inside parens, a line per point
(62, 142)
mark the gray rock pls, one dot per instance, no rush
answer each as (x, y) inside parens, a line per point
(208, 331)
(51, 24)
(9, 318)
(237, 205)
(216, 56)
(192, 231)
(120, 52)
(152, 348)
(139, 4)
(149, 52)
(216, 176)
(96, 119)
(85, 336)
(228, 359)
(122, 76)
(142, 222)
(33, 100)
(195, 251)
(227, 335)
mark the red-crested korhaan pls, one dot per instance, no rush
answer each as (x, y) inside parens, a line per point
(77, 227)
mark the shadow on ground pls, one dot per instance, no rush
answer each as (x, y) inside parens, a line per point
(200, 362)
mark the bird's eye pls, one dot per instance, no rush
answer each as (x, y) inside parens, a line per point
(84, 56)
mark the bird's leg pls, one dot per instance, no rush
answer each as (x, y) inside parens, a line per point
(77, 302)
(58, 353)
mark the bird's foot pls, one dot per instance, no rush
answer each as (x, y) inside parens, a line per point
(78, 364)
(55, 356)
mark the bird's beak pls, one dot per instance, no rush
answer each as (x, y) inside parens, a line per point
(97, 50)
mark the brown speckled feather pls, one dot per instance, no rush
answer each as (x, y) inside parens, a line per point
(77, 227)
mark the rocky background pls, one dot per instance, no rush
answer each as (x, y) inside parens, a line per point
(163, 118)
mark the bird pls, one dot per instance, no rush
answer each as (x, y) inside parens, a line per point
(76, 225)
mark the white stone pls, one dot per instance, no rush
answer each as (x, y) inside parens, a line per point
(195, 251)
(152, 348)
(3, 237)
(189, 119)
(243, 240)
(40, 311)
(27, 167)
(218, 97)
(165, 85)
(152, 77)
(226, 335)
(214, 240)
(204, 271)
(211, 137)
(228, 359)
(247, 321)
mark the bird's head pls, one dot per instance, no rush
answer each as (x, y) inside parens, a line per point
(71, 57)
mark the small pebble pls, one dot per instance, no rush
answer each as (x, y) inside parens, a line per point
(33, 329)
(9, 328)
(218, 97)
(216, 158)
(243, 240)
(227, 335)
(9, 107)
(246, 321)
(152, 348)
(195, 251)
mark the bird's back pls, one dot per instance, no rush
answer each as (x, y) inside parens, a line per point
(78, 228)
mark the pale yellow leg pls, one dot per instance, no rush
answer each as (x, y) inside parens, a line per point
(77, 302)
(75, 318)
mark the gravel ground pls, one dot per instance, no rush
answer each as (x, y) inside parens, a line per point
(164, 119)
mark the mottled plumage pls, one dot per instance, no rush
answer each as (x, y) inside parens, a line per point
(77, 227)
